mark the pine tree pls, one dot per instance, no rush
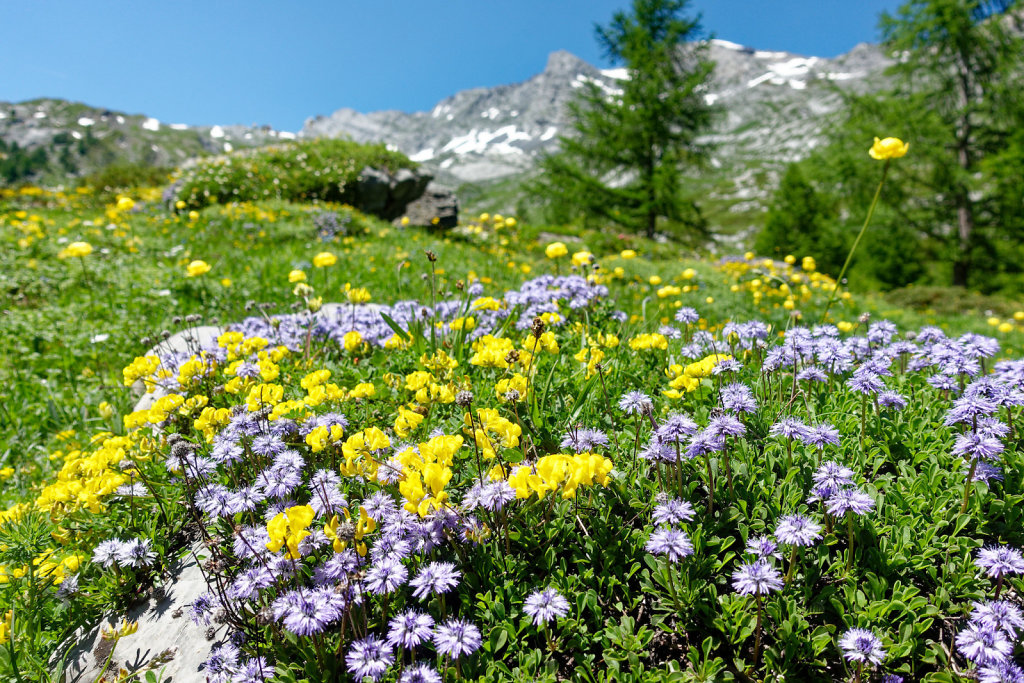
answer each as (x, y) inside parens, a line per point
(801, 222)
(624, 163)
(960, 66)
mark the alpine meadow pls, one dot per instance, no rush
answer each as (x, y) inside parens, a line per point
(704, 366)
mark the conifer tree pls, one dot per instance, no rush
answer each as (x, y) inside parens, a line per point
(624, 161)
(959, 59)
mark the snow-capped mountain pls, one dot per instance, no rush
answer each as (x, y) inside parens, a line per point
(774, 107)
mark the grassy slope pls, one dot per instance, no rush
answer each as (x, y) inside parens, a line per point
(69, 326)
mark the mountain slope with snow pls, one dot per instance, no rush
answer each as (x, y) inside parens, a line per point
(774, 105)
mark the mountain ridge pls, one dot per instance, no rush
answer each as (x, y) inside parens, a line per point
(775, 104)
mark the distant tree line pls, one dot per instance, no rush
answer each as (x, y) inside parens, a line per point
(952, 211)
(18, 165)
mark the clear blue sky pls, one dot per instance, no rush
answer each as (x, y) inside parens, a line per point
(277, 63)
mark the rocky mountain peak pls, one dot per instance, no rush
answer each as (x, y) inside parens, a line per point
(562, 62)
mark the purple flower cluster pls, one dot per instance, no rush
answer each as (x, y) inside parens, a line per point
(756, 578)
(672, 543)
(135, 552)
(797, 530)
(582, 439)
(546, 605)
(863, 646)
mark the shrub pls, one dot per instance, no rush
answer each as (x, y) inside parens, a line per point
(321, 169)
(124, 177)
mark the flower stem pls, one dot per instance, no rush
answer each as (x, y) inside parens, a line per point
(792, 563)
(849, 256)
(969, 486)
(849, 534)
(757, 635)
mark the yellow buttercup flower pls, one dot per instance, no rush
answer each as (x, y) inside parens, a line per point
(296, 276)
(582, 258)
(75, 249)
(555, 250)
(197, 268)
(888, 148)
(324, 259)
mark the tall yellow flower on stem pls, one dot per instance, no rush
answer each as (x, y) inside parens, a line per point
(79, 250)
(888, 148)
(197, 268)
(885, 150)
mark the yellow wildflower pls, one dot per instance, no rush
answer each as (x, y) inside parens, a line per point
(197, 268)
(888, 148)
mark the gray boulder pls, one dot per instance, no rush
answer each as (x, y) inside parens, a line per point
(387, 195)
(436, 202)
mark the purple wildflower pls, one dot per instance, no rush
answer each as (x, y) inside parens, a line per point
(861, 645)
(456, 637)
(671, 542)
(583, 439)
(983, 645)
(998, 561)
(307, 611)
(812, 374)
(998, 614)
(636, 403)
(496, 495)
(892, 399)
(756, 578)
(137, 552)
(763, 547)
(977, 446)
(249, 583)
(849, 500)
(387, 576)
(105, 554)
(672, 511)
(435, 577)
(788, 427)
(409, 629)
(676, 428)
(726, 425)
(420, 673)
(255, 670)
(1001, 672)
(369, 657)
(687, 315)
(738, 398)
(546, 605)
(985, 472)
(820, 436)
(797, 530)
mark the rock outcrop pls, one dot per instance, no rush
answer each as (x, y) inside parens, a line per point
(436, 208)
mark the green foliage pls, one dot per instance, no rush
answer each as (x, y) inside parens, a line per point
(624, 163)
(802, 222)
(17, 164)
(309, 170)
(124, 177)
(952, 301)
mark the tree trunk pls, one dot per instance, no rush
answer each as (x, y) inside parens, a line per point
(651, 219)
(964, 205)
(965, 225)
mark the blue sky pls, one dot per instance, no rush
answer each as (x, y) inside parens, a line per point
(277, 63)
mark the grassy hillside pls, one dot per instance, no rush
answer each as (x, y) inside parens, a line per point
(490, 424)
